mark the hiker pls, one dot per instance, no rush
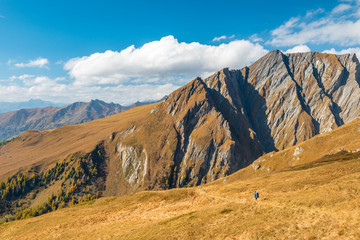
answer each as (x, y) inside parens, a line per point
(256, 195)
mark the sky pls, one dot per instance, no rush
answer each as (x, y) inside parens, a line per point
(127, 51)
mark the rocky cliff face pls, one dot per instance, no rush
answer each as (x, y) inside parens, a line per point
(297, 96)
(185, 140)
(213, 127)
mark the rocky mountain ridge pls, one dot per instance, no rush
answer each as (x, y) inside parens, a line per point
(224, 122)
(17, 122)
(211, 127)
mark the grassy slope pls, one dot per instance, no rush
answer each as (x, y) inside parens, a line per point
(309, 201)
(345, 137)
(47, 147)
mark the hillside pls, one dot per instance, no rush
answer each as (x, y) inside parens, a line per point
(17, 122)
(317, 199)
(206, 130)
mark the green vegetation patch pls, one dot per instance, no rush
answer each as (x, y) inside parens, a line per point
(79, 178)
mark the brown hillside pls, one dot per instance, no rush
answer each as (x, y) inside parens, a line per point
(16, 122)
(44, 148)
(317, 199)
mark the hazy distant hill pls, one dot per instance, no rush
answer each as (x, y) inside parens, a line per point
(14, 123)
(32, 103)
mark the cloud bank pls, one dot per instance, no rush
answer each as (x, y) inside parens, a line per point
(25, 87)
(148, 72)
(163, 61)
(341, 26)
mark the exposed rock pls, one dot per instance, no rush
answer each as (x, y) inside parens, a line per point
(257, 164)
(298, 151)
(213, 127)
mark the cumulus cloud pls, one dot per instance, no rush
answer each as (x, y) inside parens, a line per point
(298, 49)
(342, 30)
(159, 62)
(40, 62)
(344, 51)
(218, 39)
(148, 72)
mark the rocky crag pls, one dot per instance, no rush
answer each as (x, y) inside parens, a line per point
(213, 127)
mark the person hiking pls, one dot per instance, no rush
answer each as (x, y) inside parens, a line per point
(256, 195)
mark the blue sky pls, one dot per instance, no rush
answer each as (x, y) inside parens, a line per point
(124, 51)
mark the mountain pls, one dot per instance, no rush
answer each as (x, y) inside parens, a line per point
(206, 130)
(14, 123)
(302, 199)
(32, 103)
(138, 103)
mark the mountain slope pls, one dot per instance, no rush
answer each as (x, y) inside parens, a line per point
(203, 131)
(318, 198)
(14, 123)
(290, 98)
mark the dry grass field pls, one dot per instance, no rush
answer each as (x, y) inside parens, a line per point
(317, 200)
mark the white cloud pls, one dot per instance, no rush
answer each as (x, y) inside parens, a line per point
(159, 62)
(344, 51)
(312, 13)
(40, 62)
(298, 49)
(21, 77)
(218, 39)
(340, 8)
(132, 74)
(49, 89)
(342, 30)
(255, 38)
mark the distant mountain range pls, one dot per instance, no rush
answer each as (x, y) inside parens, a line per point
(32, 103)
(15, 122)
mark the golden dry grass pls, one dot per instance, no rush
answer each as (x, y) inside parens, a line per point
(299, 198)
(312, 202)
(47, 147)
(345, 137)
